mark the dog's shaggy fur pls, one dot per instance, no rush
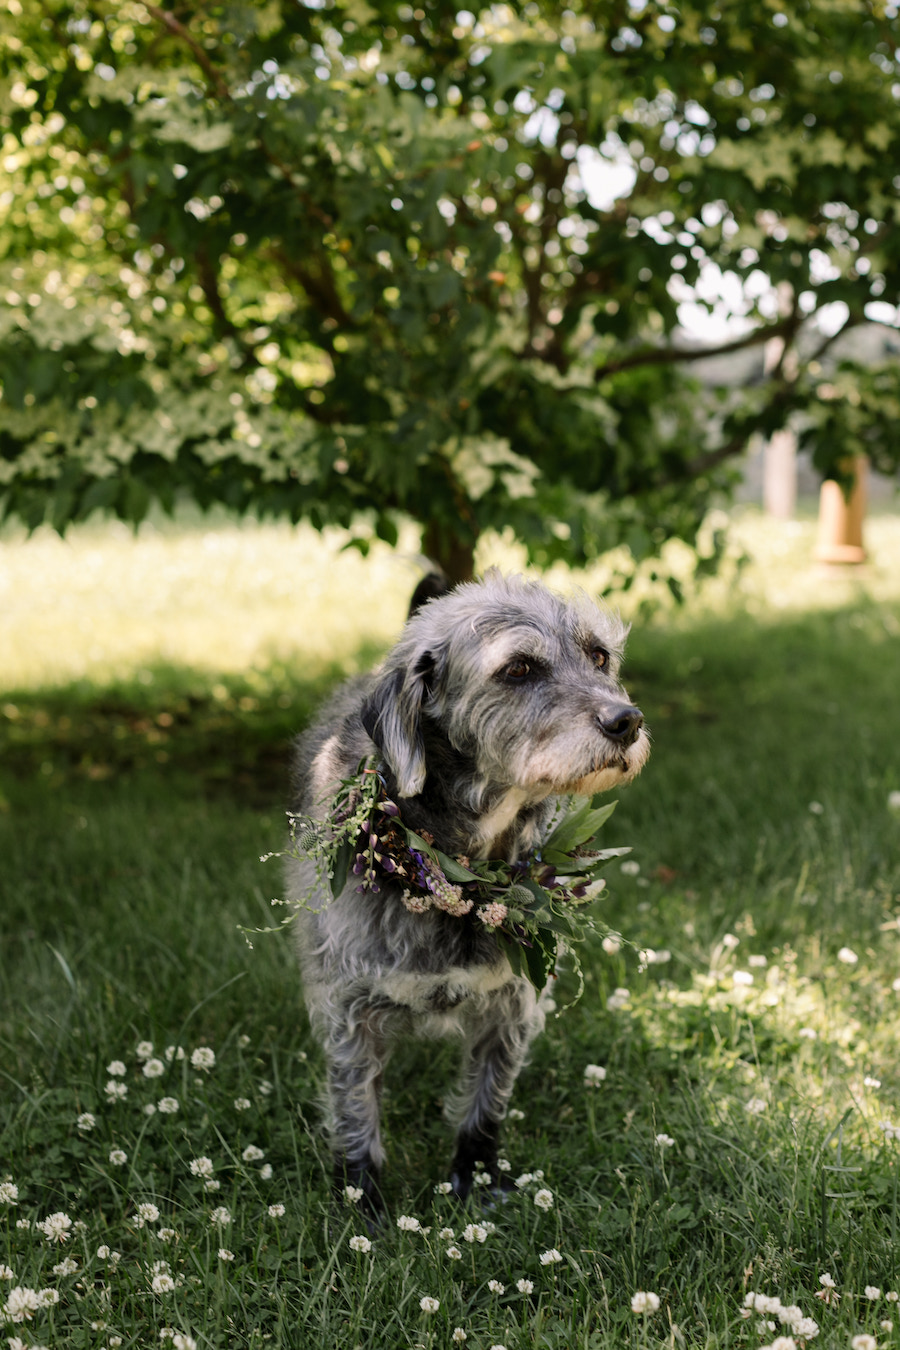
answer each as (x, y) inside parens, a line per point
(498, 697)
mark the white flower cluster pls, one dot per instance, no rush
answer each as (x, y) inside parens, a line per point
(805, 1328)
(22, 1303)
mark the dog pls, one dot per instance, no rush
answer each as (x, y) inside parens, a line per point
(499, 697)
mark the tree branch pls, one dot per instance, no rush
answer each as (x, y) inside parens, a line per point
(177, 29)
(663, 356)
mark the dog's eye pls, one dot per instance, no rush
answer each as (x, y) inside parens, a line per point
(599, 657)
(517, 670)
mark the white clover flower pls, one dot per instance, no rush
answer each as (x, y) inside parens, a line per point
(66, 1267)
(504, 1165)
(826, 1280)
(252, 1153)
(644, 1302)
(872, 1292)
(758, 961)
(543, 1199)
(162, 1283)
(242, 1103)
(360, 1243)
(55, 1227)
(9, 1193)
(181, 1341)
(154, 1068)
(429, 1304)
(353, 1194)
(148, 1212)
(630, 868)
(742, 979)
(220, 1217)
(756, 1105)
(665, 1141)
(525, 1180)
(150, 1109)
(166, 1234)
(6, 1272)
(864, 1342)
(893, 800)
(203, 1058)
(515, 1114)
(870, 1082)
(618, 999)
(454, 1253)
(892, 1296)
(443, 1188)
(202, 1167)
(475, 1232)
(243, 1040)
(116, 1091)
(116, 1069)
(459, 1335)
(525, 1286)
(611, 944)
(265, 1087)
(225, 1254)
(118, 1157)
(212, 1185)
(173, 1052)
(446, 1235)
(85, 1121)
(408, 1224)
(594, 1074)
(23, 1223)
(21, 1304)
(550, 1258)
(144, 1049)
(808, 1033)
(276, 1211)
(816, 809)
(48, 1297)
(783, 1343)
(886, 1324)
(729, 942)
(848, 956)
(266, 1171)
(496, 1287)
(167, 1106)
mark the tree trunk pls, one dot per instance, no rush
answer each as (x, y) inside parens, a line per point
(455, 555)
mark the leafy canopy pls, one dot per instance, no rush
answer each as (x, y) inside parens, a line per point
(332, 258)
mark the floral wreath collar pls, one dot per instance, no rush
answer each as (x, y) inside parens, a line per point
(532, 905)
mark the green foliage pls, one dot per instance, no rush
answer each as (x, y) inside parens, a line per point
(323, 261)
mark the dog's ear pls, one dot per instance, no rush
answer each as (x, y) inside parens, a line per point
(392, 716)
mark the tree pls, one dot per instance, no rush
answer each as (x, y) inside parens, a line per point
(325, 259)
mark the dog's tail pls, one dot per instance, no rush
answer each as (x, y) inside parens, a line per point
(433, 584)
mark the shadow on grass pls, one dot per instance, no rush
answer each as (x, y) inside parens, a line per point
(199, 732)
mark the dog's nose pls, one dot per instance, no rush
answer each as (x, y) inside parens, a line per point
(621, 724)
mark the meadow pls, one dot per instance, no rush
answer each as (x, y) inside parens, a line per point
(707, 1142)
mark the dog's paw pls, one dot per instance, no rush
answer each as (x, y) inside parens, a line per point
(357, 1188)
(488, 1189)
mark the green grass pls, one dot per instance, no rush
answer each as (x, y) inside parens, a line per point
(140, 783)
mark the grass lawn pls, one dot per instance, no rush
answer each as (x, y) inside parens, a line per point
(163, 1178)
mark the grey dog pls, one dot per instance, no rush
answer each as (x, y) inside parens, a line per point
(499, 697)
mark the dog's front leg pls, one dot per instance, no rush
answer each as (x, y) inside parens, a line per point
(494, 1054)
(356, 1053)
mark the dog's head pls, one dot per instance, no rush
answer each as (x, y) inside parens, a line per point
(521, 682)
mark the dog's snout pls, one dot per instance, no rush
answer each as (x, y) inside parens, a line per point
(622, 724)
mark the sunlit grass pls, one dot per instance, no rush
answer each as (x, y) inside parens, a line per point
(227, 597)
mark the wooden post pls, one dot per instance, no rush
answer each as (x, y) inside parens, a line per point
(841, 518)
(780, 475)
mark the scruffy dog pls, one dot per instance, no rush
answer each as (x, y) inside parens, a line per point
(498, 697)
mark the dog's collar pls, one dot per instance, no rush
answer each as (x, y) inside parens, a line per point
(530, 905)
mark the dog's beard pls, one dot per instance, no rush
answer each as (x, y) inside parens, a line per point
(610, 766)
